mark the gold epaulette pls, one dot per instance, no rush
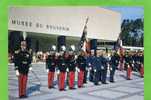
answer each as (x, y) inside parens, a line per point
(17, 51)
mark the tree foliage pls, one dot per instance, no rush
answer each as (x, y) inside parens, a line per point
(132, 33)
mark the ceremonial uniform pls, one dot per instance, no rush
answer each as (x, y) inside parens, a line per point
(128, 65)
(96, 63)
(71, 66)
(142, 65)
(89, 63)
(22, 60)
(104, 66)
(62, 66)
(81, 62)
(114, 64)
(50, 66)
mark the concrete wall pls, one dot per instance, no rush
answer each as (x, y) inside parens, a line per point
(69, 21)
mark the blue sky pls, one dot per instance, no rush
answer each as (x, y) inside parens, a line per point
(129, 12)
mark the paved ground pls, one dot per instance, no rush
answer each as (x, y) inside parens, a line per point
(121, 90)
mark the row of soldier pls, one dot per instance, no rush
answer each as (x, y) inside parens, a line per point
(66, 64)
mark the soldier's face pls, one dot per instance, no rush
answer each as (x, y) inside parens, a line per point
(92, 53)
(23, 47)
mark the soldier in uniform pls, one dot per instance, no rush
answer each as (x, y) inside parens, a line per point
(96, 63)
(81, 63)
(128, 65)
(50, 66)
(104, 67)
(139, 60)
(88, 67)
(22, 62)
(114, 64)
(141, 65)
(71, 67)
(89, 62)
(62, 66)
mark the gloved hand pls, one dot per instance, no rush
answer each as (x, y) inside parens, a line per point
(67, 70)
(94, 70)
(90, 68)
(78, 70)
(17, 73)
(86, 68)
(30, 68)
(58, 72)
(89, 64)
(102, 67)
(47, 70)
(111, 68)
(76, 56)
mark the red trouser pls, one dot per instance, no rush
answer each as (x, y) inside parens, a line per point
(61, 80)
(142, 70)
(50, 79)
(71, 79)
(80, 78)
(22, 79)
(129, 72)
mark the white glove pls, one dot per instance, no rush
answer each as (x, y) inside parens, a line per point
(86, 68)
(67, 70)
(78, 70)
(76, 56)
(47, 70)
(58, 72)
(30, 68)
(102, 67)
(94, 70)
(110, 68)
(89, 64)
(17, 73)
(90, 68)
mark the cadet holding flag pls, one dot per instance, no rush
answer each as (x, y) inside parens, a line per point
(81, 62)
(22, 62)
(50, 66)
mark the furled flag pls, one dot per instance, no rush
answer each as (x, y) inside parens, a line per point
(84, 43)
